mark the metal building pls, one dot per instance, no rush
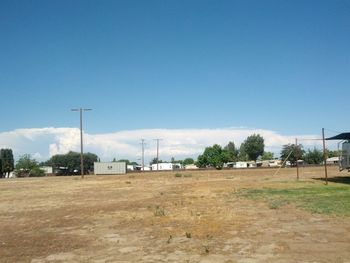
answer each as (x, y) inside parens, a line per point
(344, 158)
(109, 168)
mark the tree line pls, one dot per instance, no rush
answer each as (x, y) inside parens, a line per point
(26, 166)
(252, 149)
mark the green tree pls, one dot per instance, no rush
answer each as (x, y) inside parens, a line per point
(6, 162)
(331, 154)
(313, 157)
(254, 146)
(232, 151)
(292, 153)
(213, 156)
(267, 156)
(242, 155)
(27, 166)
(71, 161)
(188, 161)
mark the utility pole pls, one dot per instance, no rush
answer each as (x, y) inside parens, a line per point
(143, 155)
(297, 156)
(324, 156)
(81, 140)
(157, 153)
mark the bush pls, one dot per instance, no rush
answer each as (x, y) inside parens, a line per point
(36, 172)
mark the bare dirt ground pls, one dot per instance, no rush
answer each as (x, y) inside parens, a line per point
(157, 217)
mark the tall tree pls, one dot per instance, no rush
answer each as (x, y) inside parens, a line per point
(7, 162)
(232, 151)
(254, 146)
(27, 166)
(242, 155)
(292, 153)
(313, 157)
(213, 156)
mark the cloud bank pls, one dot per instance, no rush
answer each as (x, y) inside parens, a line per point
(42, 143)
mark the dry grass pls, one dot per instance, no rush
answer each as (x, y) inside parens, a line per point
(160, 217)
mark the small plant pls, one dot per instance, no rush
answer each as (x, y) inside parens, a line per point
(128, 182)
(276, 203)
(178, 175)
(187, 175)
(188, 235)
(169, 239)
(206, 249)
(159, 211)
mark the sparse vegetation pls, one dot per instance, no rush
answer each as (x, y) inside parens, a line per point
(159, 211)
(331, 199)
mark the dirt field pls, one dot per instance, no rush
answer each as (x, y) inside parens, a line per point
(158, 217)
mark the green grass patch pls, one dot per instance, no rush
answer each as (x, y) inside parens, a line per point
(331, 199)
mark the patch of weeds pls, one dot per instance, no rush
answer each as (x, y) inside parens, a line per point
(159, 211)
(276, 203)
(230, 177)
(169, 239)
(187, 175)
(178, 175)
(188, 235)
(128, 182)
(206, 249)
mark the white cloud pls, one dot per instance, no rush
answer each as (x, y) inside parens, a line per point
(179, 143)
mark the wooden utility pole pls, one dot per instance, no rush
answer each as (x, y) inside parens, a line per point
(81, 140)
(324, 156)
(297, 156)
(143, 154)
(157, 153)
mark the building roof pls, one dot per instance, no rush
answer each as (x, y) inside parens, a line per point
(341, 136)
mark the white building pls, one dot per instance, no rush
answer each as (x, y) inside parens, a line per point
(109, 168)
(166, 166)
(332, 160)
(191, 166)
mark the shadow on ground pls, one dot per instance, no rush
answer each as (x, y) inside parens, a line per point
(337, 179)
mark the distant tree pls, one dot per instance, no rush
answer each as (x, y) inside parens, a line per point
(267, 156)
(232, 151)
(254, 146)
(188, 161)
(6, 162)
(293, 152)
(27, 166)
(213, 156)
(242, 155)
(71, 161)
(154, 161)
(331, 154)
(313, 157)
(125, 161)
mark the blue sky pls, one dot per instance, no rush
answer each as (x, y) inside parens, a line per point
(282, 66)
